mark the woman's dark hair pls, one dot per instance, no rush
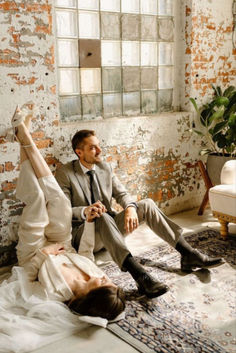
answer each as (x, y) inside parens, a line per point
(107, 302)
(78, 138)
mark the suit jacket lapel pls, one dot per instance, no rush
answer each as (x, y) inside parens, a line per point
(82, 180)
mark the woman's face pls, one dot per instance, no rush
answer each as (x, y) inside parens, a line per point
(84, 287)
(95, 282)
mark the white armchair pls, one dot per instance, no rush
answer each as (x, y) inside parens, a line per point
(223, 197)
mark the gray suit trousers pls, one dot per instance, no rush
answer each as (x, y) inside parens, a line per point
(111, 230)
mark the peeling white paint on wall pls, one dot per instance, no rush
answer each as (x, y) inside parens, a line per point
(160, 151)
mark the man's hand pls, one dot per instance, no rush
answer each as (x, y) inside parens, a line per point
(131, 219)
(94, 211)
(53, 249)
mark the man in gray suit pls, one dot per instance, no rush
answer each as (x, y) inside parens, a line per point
(90, 185)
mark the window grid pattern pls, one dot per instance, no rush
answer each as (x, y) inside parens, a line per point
(136, 72)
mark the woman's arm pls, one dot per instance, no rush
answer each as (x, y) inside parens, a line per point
(53, 249)
(33, 266)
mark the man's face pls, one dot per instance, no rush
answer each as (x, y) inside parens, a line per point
(90, 153)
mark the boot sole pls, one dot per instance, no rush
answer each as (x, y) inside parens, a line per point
(153, 295)
(190, 268)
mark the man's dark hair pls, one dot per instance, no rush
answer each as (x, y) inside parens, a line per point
(107, 302)
(78, 138)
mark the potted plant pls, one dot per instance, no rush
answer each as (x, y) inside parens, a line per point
(218, 121)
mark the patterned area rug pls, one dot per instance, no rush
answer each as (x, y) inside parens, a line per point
(196, 315)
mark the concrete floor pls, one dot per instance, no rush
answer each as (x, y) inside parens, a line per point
(99, 340)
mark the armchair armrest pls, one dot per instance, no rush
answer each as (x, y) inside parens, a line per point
(228, 173)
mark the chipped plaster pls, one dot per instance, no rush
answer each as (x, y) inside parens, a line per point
(154, 156)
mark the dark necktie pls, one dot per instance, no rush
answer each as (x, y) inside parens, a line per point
(95, 194)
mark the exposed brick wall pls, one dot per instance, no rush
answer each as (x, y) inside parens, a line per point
(27, 72)
(209, 54)
(155, 157)
(163, 177)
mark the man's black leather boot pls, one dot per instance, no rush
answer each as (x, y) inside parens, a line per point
(192, 258)
(146, 284)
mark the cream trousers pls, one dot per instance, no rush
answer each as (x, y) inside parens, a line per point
(46, 216)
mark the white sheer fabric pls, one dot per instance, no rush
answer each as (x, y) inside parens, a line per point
(28, 321)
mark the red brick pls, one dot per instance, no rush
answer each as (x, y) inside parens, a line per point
(38, 8)
(188, 11)
(9, 166)
(55, 123)
(40, 88)
(16, 38)
(8, 6)
(109, 159)
(156, 196)
(52, 160)
(44, 143)
(22, 80)
(53, 89)
(8, 186)
(211, 27)
(38, 134)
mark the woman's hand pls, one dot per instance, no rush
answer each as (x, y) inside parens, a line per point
(53, 249)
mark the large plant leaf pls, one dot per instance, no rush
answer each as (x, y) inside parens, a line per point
(232, 108)
(228, 91)
(232, 120)
(231, 138)
(205, 115)
(217, 90)
(192, 100)
(232, 100)
(230, 149)
(211, 131)
(222, 142)
(212, 103)
(199, 132)
(218, 117)
(217, 114)
(205, 151)
(217, 137)
(222, 101)
(218, 127)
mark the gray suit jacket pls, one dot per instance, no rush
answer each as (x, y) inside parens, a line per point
(73, 182)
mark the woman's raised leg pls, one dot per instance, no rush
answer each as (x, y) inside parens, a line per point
(37, 161)
(34, 218)
(58, 206)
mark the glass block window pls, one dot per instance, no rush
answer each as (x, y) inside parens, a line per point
(114, 57)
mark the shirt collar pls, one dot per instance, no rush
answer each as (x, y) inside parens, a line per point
(84, 169)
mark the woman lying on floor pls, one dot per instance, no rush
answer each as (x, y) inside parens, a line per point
(44, 248)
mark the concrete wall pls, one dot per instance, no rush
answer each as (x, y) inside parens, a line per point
(154, 156)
